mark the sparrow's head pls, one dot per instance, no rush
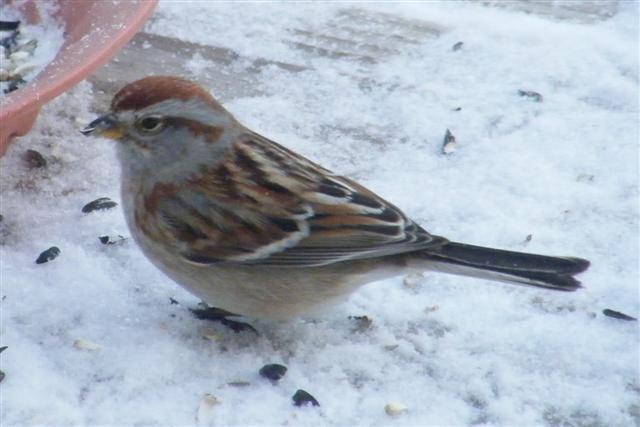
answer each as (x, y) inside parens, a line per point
(163, 118)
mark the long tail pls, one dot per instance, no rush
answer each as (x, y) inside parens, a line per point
(506, 266)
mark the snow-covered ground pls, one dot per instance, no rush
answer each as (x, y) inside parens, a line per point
(453, 351)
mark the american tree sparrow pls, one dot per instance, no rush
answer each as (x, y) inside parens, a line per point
(251, 227)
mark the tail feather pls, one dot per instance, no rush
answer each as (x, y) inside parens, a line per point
(507, 266)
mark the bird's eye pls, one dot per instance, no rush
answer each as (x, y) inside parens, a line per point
(151, 124)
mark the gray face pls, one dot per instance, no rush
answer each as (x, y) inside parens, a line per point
(158, 139)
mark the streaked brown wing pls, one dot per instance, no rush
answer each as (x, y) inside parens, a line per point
(265, 205)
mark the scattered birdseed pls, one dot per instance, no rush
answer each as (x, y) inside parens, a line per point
(273, 371)
(9, 25)
(413, 281)
(303, 398)
(449, 143)
(431, 308)
(102, 203)
(457, 46)
(8, 41)
(34, 159)
(15, 59)
(238, 384)
(617, 315)
(535, 96)
(48, 255)
(363, 323)
(585, 177)
(395, 409)
(15, 84)
(3, 348)
(26, 49)
(112, 240)
(238, 327)
(210, 334)
(218, 315)
(86, 345)
(15, 54)
(205, 408)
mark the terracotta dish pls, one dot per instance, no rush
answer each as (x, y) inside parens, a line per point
(94, 31)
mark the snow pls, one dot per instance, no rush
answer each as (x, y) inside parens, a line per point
(454, 351)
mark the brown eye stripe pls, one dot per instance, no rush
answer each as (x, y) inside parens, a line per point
(211, 133)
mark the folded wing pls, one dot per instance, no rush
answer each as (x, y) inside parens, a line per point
(264, 205)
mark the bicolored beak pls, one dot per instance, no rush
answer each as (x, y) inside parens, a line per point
(105, 126)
